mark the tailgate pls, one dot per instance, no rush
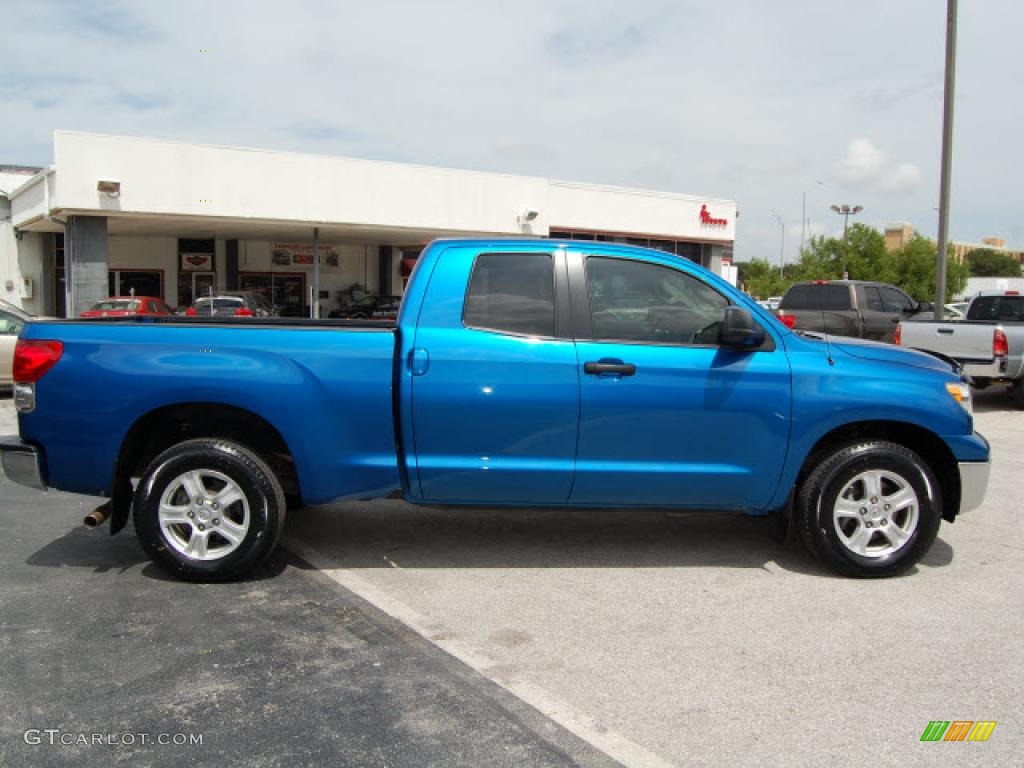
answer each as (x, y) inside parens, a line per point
(962, 341)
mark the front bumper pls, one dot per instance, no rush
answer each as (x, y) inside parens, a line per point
(973, 483)
(22, 463)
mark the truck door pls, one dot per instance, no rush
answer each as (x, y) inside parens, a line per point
(495, 390)
(898, 305)
(667, 417)
(878, 322)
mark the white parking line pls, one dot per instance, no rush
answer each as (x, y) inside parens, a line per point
(613, 744)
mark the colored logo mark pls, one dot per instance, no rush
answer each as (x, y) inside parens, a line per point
(958, 730)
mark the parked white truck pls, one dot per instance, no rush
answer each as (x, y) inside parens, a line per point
(988, 343)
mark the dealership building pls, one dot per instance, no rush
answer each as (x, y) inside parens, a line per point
(115, 215)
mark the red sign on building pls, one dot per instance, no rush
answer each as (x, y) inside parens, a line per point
(709, 220)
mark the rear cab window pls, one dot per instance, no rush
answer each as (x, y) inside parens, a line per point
(817, 296)
(1008, 309)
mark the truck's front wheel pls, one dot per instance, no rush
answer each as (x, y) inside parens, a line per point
(209, 510)
(870, 509)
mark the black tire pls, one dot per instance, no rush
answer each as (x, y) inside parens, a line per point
(833, 527)
(231, 544)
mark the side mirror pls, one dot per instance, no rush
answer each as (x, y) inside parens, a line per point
(739, 331)
(925, 306)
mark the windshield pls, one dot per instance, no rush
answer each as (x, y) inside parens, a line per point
(17, 311)
(220, 302)
(122, 304)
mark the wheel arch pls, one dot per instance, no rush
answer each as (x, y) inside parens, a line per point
(159, 429)
(925, 443)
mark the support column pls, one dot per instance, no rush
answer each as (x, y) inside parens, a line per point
(86, 251)
(384, 274)
(231, 265)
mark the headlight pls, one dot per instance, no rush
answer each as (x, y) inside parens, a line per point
(962, 394)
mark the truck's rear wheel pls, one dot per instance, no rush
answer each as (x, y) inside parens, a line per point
(209, 510)
(870, 509)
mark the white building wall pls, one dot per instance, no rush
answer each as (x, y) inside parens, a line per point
(22, 268)
(21, 258)
(260, 184)
(613, 209)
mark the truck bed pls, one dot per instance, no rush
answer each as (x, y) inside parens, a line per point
(325, 386)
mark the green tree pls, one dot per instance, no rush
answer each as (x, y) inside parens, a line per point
(863, 256)
(985, 262)
(760, 279)
(915, 265)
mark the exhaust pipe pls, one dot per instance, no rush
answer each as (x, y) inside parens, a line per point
(97, 517)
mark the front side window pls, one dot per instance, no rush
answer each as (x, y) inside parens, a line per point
(874, 298)
(512, 292)
(895, 301)
(641, 302)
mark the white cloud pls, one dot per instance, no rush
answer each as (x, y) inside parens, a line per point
(866, 167)
(685, 96)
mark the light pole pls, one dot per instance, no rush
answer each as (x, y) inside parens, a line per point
(947, 158)
(803, 217)
(782, 242)
(846, 211)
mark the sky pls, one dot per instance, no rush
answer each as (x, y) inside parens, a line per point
(769, 104)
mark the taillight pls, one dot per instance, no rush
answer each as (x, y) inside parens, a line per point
(33, 358)
(897, 335)
(787, 320)
(191, 311)
(243, 312)
(999, 346)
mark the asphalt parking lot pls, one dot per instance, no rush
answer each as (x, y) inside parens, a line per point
(520, 637)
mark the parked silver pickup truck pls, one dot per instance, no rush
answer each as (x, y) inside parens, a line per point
(989, 342)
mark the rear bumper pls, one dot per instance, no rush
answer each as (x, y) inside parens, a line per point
(997, 368)
(973, 484)
(22, 463)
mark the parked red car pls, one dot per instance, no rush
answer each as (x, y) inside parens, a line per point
(128, 306)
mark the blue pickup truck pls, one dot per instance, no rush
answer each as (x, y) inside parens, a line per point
(518, 373)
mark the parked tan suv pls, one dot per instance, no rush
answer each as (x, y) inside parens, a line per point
(11, 321)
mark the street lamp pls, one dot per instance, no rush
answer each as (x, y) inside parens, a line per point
(782, 243)
(846, 211)
(803, 216)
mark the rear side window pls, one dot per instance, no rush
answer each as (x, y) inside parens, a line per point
(810, 296)
(512, 292)
(997, 309)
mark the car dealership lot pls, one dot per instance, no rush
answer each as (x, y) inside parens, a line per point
(686, 639)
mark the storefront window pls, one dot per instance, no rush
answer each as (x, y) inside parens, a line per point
(137, 282)
(285, 290)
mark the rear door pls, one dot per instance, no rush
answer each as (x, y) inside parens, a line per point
(667, 416)
(495, 389)
(878, 323)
